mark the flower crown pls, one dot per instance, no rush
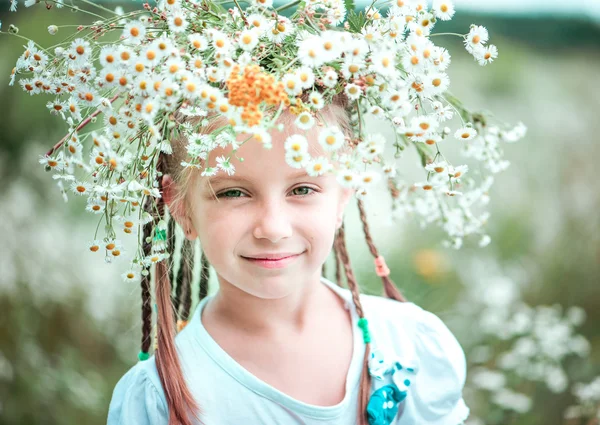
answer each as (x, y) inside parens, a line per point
(199, 59)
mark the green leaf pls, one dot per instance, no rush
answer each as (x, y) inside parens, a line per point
(349, 5)
(356, 21)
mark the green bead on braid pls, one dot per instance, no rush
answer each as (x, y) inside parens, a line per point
(363, 324)
(142, 355)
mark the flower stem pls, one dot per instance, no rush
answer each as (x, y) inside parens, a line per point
(287, 6)
(79, 127)
(448, 33)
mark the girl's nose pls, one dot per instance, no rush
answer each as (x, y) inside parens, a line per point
(272, 222)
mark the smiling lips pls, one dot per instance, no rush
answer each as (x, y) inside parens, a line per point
(272, 261)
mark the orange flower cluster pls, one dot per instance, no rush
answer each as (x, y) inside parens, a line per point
(251, 88)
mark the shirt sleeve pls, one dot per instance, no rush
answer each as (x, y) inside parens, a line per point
(437, 390)
(137, 401)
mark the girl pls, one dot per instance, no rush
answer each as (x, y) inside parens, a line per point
(278, 343)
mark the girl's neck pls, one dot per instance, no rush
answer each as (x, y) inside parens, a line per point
(254, 316)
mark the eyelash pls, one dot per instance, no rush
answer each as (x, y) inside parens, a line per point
(222, 194)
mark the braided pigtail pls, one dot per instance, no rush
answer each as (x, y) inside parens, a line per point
(338, 264)
(391, 291)
(179, 398)
(187, 268)
(145, 285)
(204, 276)
(365, 379)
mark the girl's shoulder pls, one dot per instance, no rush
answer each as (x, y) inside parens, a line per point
(416, 338)
(138, 397)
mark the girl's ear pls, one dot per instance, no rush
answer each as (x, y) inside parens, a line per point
(177, 207)
(343, 202)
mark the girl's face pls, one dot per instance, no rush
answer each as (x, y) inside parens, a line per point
(268, 228)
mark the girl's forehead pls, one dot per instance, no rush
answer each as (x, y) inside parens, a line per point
(252, 156)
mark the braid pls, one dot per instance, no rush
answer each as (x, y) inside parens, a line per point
(338, 264)
(145, 284)
(180, 401)
(391, 291)
(187, 267)
(204, 276)
(365, 379)
(171, 244)
(177, 280)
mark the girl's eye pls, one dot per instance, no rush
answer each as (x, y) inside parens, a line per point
(232, 193)
(303, 191)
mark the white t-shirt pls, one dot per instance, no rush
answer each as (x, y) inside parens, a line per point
(230, 395)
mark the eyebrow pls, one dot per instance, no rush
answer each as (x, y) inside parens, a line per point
(221, 179)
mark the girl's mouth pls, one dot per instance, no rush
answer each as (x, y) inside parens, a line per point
(273, 263)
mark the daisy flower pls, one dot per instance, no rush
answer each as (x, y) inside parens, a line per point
(331, 138)
(431, 138)
(198, 41)
(384, 62)
(437, 167)
(248, 39)
(430, 185)
(465, 133)
(353, 91)
(440, 58)
(331, 45)
(413, 62)
(131, 276)
(310, 52)
(125, 55)
(424, 123)
(94, 245)
(367, 179)
(457, 172)
(330, 79)
(154, 258)
(357, 48)
(347, 178)
(394, 98)
(263, 137)
(177, 21)
(263, 3)
(443, 113)
(279, 30)
(292, 84)
(297, 159)
(425, 23)
(164, 45)
(81, 188)
(296, 143)
(150, 108)
(55, 164)
(225, 165)
(134, 32)
(477, 36)
(351, 67)
(257, 22)
(443, 9)
(220, 41)
(57, 107)
(306, 77)
(487, 55)
(318, 166)
(80, 50)
(304, 121)
(315, 99)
